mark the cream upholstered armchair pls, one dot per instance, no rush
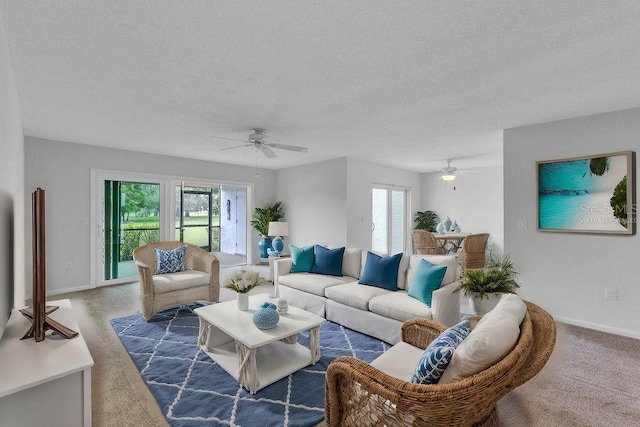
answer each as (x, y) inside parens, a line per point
(357, 393)
(200, 281)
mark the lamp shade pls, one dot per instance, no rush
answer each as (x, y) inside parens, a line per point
(448, 177)
(278, 229)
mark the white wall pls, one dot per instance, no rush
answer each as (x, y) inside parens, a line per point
(474, 201)
(330, 202)
(12, 254)
(64, 171)
(567, 273)
(314, 200)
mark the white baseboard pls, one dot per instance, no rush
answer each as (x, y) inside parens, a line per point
(52, 292)
(598, 327)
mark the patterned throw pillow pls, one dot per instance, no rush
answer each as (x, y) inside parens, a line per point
(438, 354)
(170, 261)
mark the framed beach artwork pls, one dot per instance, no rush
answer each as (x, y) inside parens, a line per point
(591, 194)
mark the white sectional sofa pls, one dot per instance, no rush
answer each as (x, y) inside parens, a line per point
(368, 309)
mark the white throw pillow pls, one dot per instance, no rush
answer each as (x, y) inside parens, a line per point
(351, 262)
(493, 338)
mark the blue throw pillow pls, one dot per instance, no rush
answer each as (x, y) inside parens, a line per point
(328, 261)
(170, 261)
(381, 272)
(302, 258)
(438, 354)
(427, 279)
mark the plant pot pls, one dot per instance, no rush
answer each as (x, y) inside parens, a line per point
(484, 305)
(243, 301)
(264, 244)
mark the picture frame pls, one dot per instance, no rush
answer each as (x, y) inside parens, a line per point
(589, 194)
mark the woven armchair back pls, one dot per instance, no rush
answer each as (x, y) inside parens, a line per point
(425, 244)
(358, 394)
(473, 251)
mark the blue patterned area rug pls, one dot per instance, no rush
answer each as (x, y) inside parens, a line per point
(192, 390)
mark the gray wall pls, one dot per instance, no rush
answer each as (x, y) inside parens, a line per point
(567, 273)
(12, 255)
(64, 171)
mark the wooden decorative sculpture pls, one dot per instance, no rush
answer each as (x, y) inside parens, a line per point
(41, 322)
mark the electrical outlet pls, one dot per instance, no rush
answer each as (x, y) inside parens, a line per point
(611, 294)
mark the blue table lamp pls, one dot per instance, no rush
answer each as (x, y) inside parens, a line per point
(278, 230)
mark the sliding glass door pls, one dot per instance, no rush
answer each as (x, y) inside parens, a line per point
(198, 215)
(130, 210)
(131, 217)
(388, 231)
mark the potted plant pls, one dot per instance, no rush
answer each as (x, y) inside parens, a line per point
(484, 286)
(260, 221)
(426, 220)
(242, 282)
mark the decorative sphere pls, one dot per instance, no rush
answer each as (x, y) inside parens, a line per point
(266, 317)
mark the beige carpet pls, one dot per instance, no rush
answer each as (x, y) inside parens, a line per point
(592, 379)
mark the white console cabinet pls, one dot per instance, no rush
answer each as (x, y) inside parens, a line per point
(46, 383)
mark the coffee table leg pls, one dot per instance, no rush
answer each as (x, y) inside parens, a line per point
(203, 335)
(247, 372)
(314, 344)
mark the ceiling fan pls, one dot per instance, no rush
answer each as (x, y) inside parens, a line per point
(449, 173)
(257, 140)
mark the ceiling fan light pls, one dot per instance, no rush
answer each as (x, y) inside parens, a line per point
(448, 177)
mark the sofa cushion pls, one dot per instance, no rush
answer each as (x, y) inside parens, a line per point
(328, 261)
(381, 271)
(451, 261)
(402, 268)
(301, 258)
(313, 283)
(427, 279)
(399, 361)
(170, 261)
(168, 282)
(354, 294)
(438, 354)
(494, 337)
(352, 262)
(399, 306)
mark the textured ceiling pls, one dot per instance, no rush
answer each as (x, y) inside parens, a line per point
(408, 84)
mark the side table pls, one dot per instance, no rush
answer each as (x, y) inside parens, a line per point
(271, 260)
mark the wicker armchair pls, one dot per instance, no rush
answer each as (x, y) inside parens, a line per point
(473, 252)
(425, 244)
(158, 292)
(358, 394)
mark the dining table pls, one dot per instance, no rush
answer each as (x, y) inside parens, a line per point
(451, 241)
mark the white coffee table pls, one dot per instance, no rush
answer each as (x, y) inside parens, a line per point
(256, 357)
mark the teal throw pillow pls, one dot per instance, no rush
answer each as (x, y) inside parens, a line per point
(438, 354)
(302, 258)
(170, 261)
(381, 272)
(427, 279)
(328, 261)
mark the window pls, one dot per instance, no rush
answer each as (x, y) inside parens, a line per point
(389, 208)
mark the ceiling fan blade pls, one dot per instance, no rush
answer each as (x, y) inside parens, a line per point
(287, 147)
(229, 139)
(266, 150)
(234, 147)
